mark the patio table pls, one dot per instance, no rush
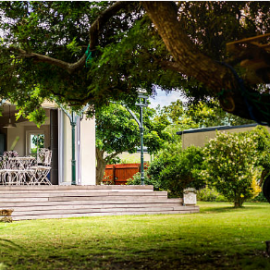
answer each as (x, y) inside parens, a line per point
(22, 162)
(17, 171)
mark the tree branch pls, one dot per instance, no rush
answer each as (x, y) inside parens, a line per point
(103, 19)
(170, 65)
(69, 67)
(98, 24)
(190, 61)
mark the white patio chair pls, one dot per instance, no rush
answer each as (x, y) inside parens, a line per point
(44, 157)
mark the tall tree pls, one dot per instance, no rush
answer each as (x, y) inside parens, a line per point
(183, 116)
(201, 114)
(131, 45)
(117, 132)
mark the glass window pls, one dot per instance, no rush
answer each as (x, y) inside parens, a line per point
(35, 140)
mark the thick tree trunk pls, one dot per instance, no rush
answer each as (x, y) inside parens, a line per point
(101, 165)
(189, 59)
(263, 175)
(238, 202)
(191, 62)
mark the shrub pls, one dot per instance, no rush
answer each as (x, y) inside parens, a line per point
(210, 194)
(136, 180)
(183, 170)
(230, 161)
(174, 169)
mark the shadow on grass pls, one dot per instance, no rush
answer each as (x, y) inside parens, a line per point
(4, 243)
(205, 210)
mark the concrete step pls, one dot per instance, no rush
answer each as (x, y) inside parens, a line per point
(74, 199)
(40, 202)
(67, 215)
(91, 206)
(102, 210)
(138, 198)
(20, 203)
(90, 193)
(73, 188)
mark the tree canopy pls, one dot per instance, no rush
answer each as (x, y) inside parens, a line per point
(92, 52)
(184, 116)
(117, 132)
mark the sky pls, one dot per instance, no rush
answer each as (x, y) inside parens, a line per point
(164, 99)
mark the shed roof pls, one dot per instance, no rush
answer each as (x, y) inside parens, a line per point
(196, 130)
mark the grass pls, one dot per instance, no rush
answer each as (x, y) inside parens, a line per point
(219, 237)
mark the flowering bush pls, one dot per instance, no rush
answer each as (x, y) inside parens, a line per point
(231, 160)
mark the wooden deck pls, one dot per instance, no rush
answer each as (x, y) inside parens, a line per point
(41, 202)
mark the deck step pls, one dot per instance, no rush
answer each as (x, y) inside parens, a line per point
(102, 214)
(103, 210)
(41, 202)
(67, 215)
(91, 206)
(73, 188)
(90, 193)
(92, 202)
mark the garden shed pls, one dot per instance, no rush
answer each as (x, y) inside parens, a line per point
(200, 136)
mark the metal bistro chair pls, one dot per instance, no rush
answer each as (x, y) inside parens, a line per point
(10, 173)
(42, 169)
(2, 171)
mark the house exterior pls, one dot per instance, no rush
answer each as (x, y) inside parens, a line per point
(200, 136)
(56, 132)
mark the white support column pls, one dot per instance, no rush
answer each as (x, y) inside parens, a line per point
(88, 151)
(78, 152)
(60, 147)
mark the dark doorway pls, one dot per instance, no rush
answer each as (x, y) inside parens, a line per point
(54, 146)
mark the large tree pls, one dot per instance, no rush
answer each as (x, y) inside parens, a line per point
(117, 132)
(199, 115)
(131, 45)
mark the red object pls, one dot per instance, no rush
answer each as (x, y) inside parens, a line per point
(118, 174)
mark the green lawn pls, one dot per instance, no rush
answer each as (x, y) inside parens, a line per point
(219, 237)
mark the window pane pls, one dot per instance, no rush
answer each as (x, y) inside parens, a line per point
(36, 141)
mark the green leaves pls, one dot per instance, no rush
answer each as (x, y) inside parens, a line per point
(73, 46)
(117, 131)
(176, 169)
(230, 161)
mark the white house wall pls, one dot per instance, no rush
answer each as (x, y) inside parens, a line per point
(21, 131)
(12, 133)
(85, 147)
(67, 150)
(88, 152)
